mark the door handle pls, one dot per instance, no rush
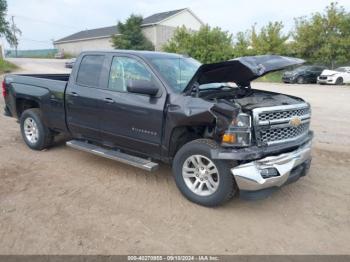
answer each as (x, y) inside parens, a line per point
(74, 94)
(108, 100)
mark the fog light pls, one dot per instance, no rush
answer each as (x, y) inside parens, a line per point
(269, 172)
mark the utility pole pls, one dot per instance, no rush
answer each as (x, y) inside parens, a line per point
(14, 31)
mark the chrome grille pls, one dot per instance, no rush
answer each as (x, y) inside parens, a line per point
(273, 125)
(283, 114)
(278, 134)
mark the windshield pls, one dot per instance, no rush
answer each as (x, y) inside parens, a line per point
(301, 68)
(177, 72)
(340, 69)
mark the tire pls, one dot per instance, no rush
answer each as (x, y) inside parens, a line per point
(223, 180)
(34, 133)
(300, 80)
(339, 81)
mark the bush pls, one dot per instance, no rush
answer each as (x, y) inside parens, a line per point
(6, 66)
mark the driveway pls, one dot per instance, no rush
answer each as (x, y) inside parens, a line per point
(40, 66)
(63, 201)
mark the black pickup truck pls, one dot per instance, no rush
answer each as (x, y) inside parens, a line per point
(221, 136)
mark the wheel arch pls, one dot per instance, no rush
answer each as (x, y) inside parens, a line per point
(182, 135)
(23, 104)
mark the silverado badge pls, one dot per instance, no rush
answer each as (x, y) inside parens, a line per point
(295, 121)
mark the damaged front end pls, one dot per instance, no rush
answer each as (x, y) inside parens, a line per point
(232, 107)
(250, 125)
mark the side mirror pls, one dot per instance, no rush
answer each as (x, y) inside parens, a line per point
(142, 87)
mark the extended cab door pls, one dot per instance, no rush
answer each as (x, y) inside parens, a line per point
(82, 107)
(129, 120)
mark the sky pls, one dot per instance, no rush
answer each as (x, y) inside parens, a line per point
(42, 21)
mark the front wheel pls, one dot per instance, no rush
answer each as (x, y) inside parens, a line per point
(200, 179)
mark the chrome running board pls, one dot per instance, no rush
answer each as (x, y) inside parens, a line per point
(135, 161)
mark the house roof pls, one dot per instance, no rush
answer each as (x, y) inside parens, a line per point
(92, 33)
(112, 30)
(156, 18)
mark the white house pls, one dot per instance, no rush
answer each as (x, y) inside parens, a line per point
(158, 28)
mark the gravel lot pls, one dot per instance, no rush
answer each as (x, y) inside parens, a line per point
(62, 201)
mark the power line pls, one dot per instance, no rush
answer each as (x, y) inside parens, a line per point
(43, 21)
(33, 40)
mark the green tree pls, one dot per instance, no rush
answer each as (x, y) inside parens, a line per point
(5, 28)
(131, 36)
(269, 40)
(181, 42)
(207, 45)
(242, 44)
(324, 37)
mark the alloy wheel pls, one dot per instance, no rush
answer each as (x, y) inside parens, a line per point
(201, 175)
(31, 130)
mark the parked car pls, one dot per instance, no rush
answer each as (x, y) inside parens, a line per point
(70, 63)
(142, 108)
(338, 76)
(303, 74)
(59, 55)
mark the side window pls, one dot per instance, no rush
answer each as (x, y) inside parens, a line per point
(124, 69)
(90, 70)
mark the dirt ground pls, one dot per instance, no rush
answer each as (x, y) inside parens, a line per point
(62, 201)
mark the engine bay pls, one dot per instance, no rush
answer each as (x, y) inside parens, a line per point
(247, 98)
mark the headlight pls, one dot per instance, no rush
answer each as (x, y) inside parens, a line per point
(239, 132)
(242, 120)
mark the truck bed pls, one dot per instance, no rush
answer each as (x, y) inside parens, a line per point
(47, 90)
(39, 79)
(59, 77)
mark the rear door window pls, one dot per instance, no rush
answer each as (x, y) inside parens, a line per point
(90, 70)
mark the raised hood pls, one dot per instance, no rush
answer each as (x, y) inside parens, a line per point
(240, 70)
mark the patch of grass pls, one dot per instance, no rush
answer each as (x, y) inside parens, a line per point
(6, 66)
(68, 56)
(274, 77)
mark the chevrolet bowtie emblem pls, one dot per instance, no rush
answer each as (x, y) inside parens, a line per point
(295, 121)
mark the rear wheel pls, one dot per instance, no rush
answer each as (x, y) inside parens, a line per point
(339, 81)
(35, 134)
(201, 179)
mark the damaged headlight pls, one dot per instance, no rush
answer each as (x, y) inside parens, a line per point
(239, 132)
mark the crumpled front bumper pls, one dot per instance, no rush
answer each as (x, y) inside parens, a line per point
(289, 166)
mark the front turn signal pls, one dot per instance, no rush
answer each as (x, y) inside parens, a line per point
(229, 138)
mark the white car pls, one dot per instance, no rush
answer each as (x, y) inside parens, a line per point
(338, 76)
